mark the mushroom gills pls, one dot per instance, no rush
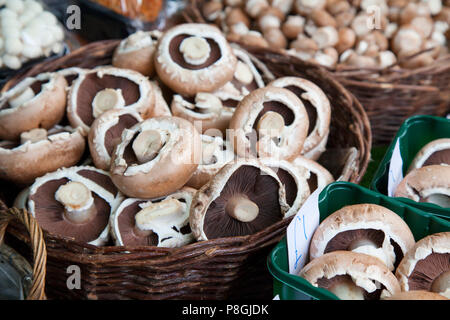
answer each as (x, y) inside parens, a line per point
(431, 274)
(438, 157)
(113, 134)
(77, 201)
(441, 284)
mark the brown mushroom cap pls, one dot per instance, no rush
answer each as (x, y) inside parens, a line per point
(132, 88)
(294, 180)
(317, 105)
(269, 122)
(54, 216)
(188, 71)
(435, 152)
(21, 163)
(167, 159)
(137, 52)
(106, 132)
(243, 198)
(38, 102)
(416, 295)
(365, 228)
(351, 276)
(427, 265)
(430, 184)
(215, 154)
(167, 223)
(319, 177)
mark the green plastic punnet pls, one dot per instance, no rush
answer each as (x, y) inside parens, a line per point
(414, 134)
(334, 197)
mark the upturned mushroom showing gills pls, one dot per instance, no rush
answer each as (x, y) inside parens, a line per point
(351, 276)
(192, 58)
(427, 265)
(319, 113)
(215, 154)
(162, 222)
(434, 153)
(105, 88)
(156, 157)
(430, 184)
(364, 228)
(35, 102)
(75, 203)
(106, 132)
(319, 177)
(269, 122)
(38, 152)
(243, 198)
(137, 52)
(294, 181)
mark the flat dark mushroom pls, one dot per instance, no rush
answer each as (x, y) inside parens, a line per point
(436, 152)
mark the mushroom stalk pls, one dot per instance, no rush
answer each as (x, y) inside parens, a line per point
(347, 290)
(441, 284)
(78, 202)
(241, 208)
(147, 145)
(271, 124)
(195, 50)
(22, 97)
(156, 215)
(33, 135)
(107, 99)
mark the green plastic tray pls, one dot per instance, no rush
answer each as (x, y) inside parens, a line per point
(331, 199)
(415, 133)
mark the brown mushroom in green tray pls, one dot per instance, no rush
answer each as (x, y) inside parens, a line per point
(244, 197)
(351, 276)
(40, 151)
(435, 152)
(364, 228)
(35, 102)
(105, 88)
(430, 184)
(161, 222)
(427, 265)
(75, 203)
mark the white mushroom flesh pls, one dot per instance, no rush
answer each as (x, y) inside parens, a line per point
(208, 103)
(33, 135)
(195, 50)
(243, 73)
(347, 290)
(242, 209)
(441, 284)
(147, 145)
(77, 200)
(271, 124)
(21, 98)
(107, 99)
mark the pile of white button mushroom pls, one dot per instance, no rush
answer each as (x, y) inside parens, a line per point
(27, 32)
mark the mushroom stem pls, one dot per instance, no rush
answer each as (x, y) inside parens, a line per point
(78, 202)
(156, 213)
(195, 50)
(361, 243)
(441, 284)
(347, 290)
(147, 145)
(107, 99)
(241, 208)
(22, 97)
(33, 135)
(271, 124)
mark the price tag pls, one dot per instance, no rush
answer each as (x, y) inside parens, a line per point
(395, 170)
(300, 231)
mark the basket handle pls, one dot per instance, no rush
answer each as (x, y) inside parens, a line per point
(38, 246)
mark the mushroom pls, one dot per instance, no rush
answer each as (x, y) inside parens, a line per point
(433, 153)
(351, 276)
(215, 154)
(161, 108)
(364, 228)
(269, 122)
(71, 74)
(75, 203)
(293, 26)
(162, 222)
(427, 265)
(35, 102)
(38, 152)
(430, 184)
(136, 52)
(284, 6)
(416, 295)
(193, 58)
(105, 88)
(319, 177)
(106, 132)
(243, 198)
(294, 180)
(319, 112)
(306, 7)
(255, 7)
(156, 157)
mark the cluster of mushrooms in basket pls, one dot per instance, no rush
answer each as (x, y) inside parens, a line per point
(367, 252)
(339, 33)
(183, 138)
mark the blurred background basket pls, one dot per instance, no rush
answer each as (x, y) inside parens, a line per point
(389, 95)
(227, 268)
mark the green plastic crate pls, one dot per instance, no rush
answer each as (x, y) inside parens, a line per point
(331, 199)
(414, 134)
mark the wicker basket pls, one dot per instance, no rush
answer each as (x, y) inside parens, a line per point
(389, 95)
(227, 268)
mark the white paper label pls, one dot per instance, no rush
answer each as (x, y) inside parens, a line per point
(300, 231)
(395, 170)
(277, 297)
